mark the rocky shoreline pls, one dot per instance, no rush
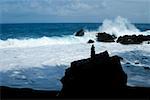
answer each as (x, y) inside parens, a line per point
(19, 93)
(27, 93)
(99, 76)
(126, 39)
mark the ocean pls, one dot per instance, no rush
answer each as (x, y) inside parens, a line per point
(35, 55)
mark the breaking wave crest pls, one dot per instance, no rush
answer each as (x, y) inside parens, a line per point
(120, 26)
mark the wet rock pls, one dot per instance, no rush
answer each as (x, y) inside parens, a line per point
(90, 41)
(133, 39)
(127, 63)
(146, 68)
(136, 62)
(144, 58)
(80, 33)
(105, 37)
(118, 57)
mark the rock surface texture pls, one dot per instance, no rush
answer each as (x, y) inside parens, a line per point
(105, 37)
(133, 39)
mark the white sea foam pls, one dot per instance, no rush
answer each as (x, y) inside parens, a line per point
(40, 63)
(119, 27)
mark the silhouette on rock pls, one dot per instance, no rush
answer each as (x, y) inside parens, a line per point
(80, 33)
(99, 73)
(105, 37)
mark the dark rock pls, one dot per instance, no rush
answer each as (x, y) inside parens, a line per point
(7, 93)
(127, 63)
(146, 68)
(144, 58)
(80, 33)
(25, 93)
(118, 57)
(90, 41)
(85, 77)
(136, 62)
(133, 39)
(105, 37)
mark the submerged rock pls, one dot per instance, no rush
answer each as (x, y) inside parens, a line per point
(146, 68)
(105, 37)
(80, 33)
(86, 76)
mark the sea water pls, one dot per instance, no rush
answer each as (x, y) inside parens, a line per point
(36, 55)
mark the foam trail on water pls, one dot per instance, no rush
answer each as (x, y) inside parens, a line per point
(13, 43)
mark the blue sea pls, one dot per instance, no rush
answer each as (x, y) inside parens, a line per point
(35, 55)
(38, 30)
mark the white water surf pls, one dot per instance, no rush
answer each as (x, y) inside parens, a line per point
(41, 63)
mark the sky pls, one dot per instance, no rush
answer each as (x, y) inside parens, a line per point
(73, 11)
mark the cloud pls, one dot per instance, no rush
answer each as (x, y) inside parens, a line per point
(74, 10)
(52, 7)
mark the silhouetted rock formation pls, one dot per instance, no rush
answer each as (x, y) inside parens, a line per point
(90, 41)
(80, 33)
(100, 73)
(133, 39)
(25, 93)
(146, 68)
(105, 37)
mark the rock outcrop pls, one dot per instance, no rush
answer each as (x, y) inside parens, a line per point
(80, 33)
(90, 41)
(133, 39)
(25, 93)
(105, 37)
(99, 73)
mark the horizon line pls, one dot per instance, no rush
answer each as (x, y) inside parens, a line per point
(65, 23)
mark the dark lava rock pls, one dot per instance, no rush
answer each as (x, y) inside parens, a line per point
(136, 62)
(118, 57)
(90, 41)
(133, 39)
(146, 68)
(144, 58)
(25, 93)
(97, 76)
(105, 37)
(80, 33)
(127, 63)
